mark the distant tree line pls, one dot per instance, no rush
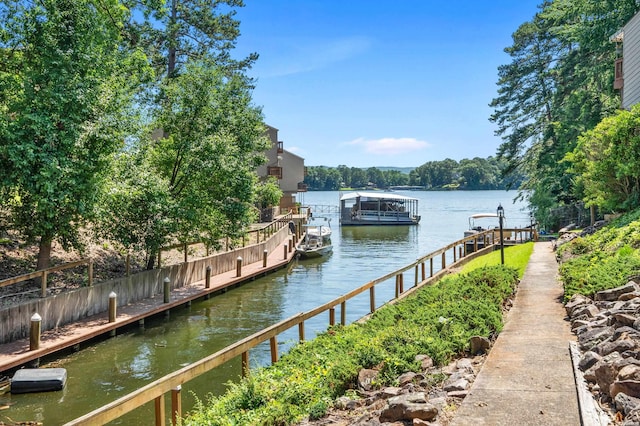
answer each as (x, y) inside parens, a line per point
(474, 174)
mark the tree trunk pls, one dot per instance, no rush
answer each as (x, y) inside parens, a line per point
(151, 260)
(44, 254)
(44, 257)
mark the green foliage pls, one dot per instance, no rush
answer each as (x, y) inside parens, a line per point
(604, 260)
(514, 256)
(66, 96)
(437, 320)
(268, 193)
(607, 162)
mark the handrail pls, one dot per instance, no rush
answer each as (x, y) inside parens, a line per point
(173, 381)
(43, 273)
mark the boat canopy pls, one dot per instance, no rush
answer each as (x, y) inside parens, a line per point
(375, 196)
(482, 215)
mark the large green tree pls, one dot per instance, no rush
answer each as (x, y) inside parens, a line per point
(203, 165)
(66, 88)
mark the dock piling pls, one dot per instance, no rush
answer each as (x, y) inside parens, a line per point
(167, 293)
(239, 266)
(265, 253)
(112, 310)
(34, 335)
(207, 278)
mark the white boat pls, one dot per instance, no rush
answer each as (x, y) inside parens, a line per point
(319, 227)
(378, 208)
(477, 224)
(316, 241)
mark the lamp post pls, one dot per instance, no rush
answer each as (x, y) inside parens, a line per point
(500, 212)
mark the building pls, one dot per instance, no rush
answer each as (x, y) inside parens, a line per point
(287, 167)
(627, 65)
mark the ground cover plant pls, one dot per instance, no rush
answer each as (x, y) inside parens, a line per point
(603, 260)
(438, 321)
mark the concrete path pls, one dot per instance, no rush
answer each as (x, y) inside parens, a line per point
(527, 378)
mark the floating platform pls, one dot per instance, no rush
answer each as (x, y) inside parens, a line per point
(38, 380)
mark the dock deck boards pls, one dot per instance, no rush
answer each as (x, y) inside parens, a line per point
(17, 353)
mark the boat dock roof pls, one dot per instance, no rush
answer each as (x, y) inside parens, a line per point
(375, 195)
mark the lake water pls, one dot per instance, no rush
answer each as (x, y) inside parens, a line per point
(108, 369)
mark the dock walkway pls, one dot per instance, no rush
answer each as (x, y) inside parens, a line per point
(527, 378)
(18, 353)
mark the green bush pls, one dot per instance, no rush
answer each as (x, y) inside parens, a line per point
(437, 321)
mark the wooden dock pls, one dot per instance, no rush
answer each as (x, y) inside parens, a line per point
(18, 353)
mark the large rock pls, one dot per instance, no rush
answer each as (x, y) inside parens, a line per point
(408, 407)
(614, 293)
(367, 378)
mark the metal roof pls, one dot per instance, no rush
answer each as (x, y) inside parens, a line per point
(376, 195)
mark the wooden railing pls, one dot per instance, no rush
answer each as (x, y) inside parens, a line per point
(173, 382)
(43, 274)
(255, 234)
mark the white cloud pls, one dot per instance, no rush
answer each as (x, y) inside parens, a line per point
(390, 146)
(308, 55)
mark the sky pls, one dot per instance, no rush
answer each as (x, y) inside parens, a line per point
(374, 83)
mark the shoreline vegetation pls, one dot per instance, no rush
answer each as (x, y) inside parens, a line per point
(438, 321)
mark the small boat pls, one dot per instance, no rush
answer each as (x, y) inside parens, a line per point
(316, 241)
(378, 208)
(319, 226)
(476, 227)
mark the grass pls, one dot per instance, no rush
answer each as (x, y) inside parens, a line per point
(437, 320)
(514, 256)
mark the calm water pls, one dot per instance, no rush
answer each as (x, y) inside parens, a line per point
(110, 368)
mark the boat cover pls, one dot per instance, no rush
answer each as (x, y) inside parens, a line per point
(38, 380)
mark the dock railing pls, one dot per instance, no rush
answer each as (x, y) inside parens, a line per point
(42, 274)
(452, 255)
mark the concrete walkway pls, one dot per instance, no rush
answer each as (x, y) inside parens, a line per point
(527, 378)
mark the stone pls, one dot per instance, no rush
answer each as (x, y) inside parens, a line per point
(588, 311)
(479, 345)
(625, 403)
(426, 362)
(575, 301)
(614, 293)
(629, 387)
(406, 378)
(629, 372)
(457, 385)
(592, 337)
(632, 419)
(367, 378)
(621, 345)
(408, 407)
(588, 359)
(606, 372)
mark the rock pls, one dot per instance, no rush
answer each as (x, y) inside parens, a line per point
(367, 378)
(629, 372)
(592, 337)
(457, 385)
(346, 403)
(408, 407)
(588, 311)
(479, 345)
(406, 378)
(606, 371)
(632, 419)
(614, 293)
(576, 301)
(629, 387)
(588, 359)
(425, 362)
(622, 345)
(625, 403)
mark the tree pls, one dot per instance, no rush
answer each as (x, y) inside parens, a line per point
(174, 32)
(214, 142)
(66, 87)
(607, 162)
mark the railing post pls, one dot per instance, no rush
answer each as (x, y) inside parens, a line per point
(239, 266)
(112, 308)
(444, 260)
(401, 282)
(159, 410)
(34, 333)
(332, 316)
(397, 286)
(431, 265)
(424, 272)
(273, 344)
(245, 364)
(43, 284)
(415, 283)
(343, 313)
(90, 272)
(301, 331)
(207, 277)
(454, 254)
(167, 291)
(176, 405)
(372, 300)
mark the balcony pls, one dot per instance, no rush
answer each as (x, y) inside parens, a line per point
(280, 147)
(302, 187)
(275, 171)
(618, 83)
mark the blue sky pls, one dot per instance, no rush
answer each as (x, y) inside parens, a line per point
(369, 83)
